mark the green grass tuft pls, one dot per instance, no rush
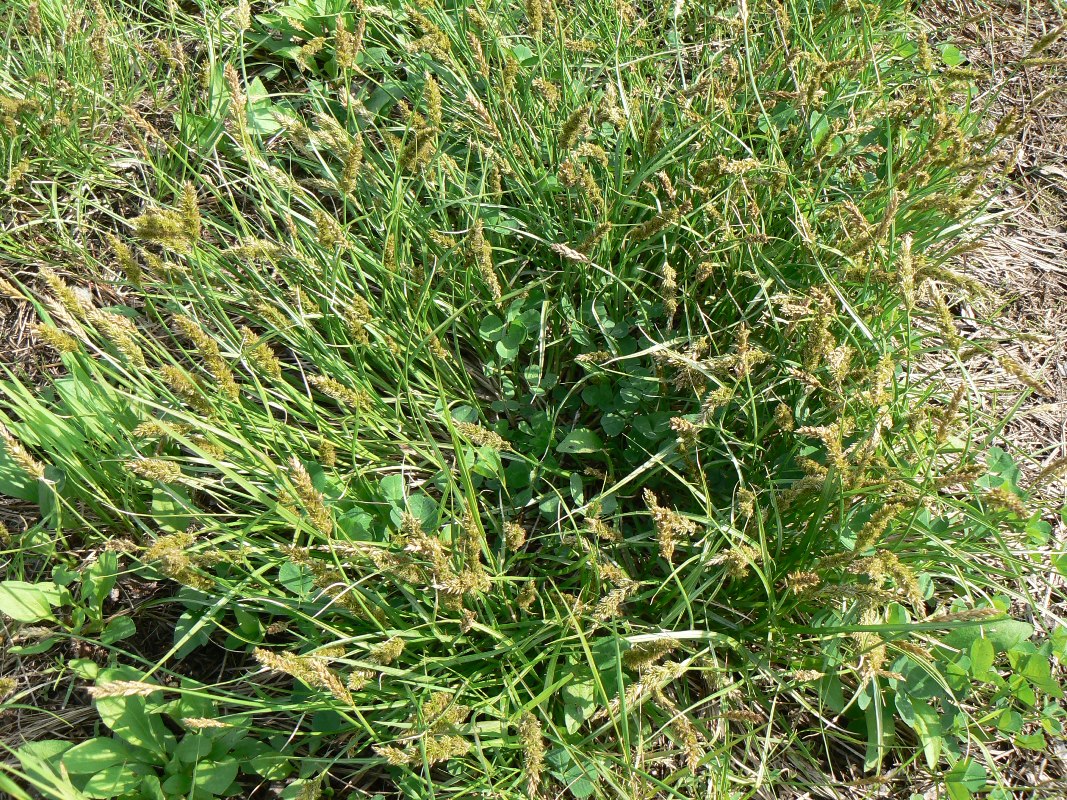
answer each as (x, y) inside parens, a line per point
(510, 399)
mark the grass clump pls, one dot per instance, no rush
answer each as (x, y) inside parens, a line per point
(514, 398)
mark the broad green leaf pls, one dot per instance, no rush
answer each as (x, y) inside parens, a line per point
(100, 753)
(392, 488)
(613, 424)
(523, 54)
(215, 776)
(118, 629)
(982, 657)
(193, 747)
(296, 578)
(129, 719)
(1032, 741)
(965, 778)
(491, 328)
(29, 602)
(580, 440)
(579, 703)
(112, 782)
(100, 578)
(1036, 669)
(952, 56)
(1004, 634)
(172, 509)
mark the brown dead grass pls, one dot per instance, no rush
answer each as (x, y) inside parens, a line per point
(1023, 261)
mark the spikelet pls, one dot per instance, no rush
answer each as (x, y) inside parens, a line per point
(658, 223)
(347, 46)
(1019, 371)
(683, 728)
(738, 560)
(783, 418)
(602, 531)
(67, 297)
(485, 121)
(903, 576)
(533, 751)
(56, 339)
(185, 388)
(327, 453)
(310, 670)
(354, 399)
(357, 316)
(596, 357)
(653, 679)
(1046, 41)
(123, 689)
(242, 17)
(125, 260)
(514, 535)
(819, 341)
(1055, 469)
(642, 655)
(305, 56)
(208, 350)
(433, 40)
(329, 233)
(483, 437)
(478, 54)
(610, 605)
(10, 291)
(98, 38)
(948, 416)
(33, 18)
(238, 110)
(17, 173)
(670, 525)
(575, 128)
(175, 229)
(967, 615)
(527, 596)
(946, 323)
(311, 498)
(121, 332)
(172, 553)
(155, 469)
(576, 174)
(713, 400)
(1005, 498)
(547, 91)
(669, 291)
(480, 254)
(509, 73)
(203, 723)
(535, 17)
(906, 272)
(594, 238)
(876, 526)
(831, 437)
(20, 455)
(470, 542)
(688, 434)
(608, 110)
(802, 583)
(569, 253)
(260, 354)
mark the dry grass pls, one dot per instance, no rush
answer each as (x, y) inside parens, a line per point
(1024, 263)
(1024, 259)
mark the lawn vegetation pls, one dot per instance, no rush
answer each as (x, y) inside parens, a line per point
(455, 399)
